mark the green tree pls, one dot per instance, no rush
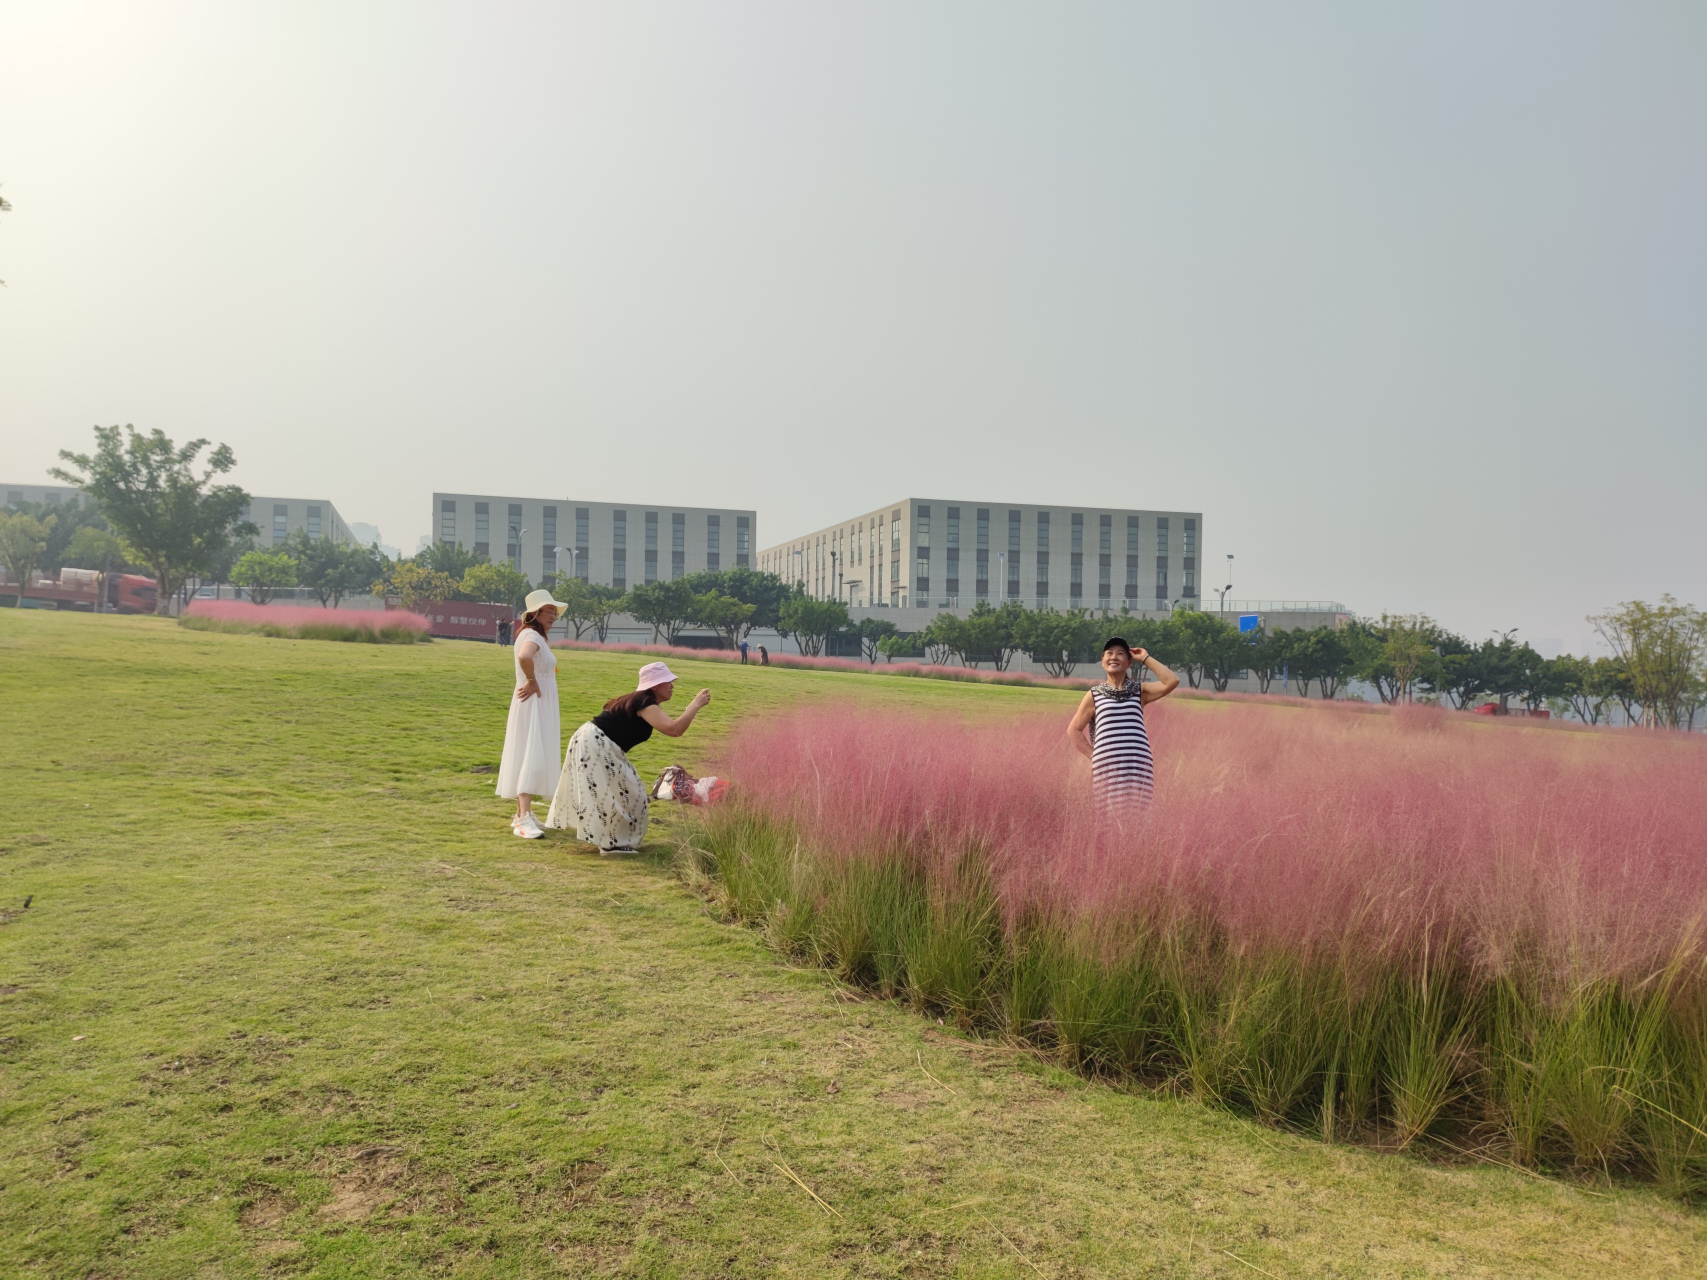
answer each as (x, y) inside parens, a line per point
(872, 633)
(1407, 651)
(991, 631)
(177, 521)
(1504, 667)
(1269, 651)
(1663, 648)
(666, 607)
(898, 645)
(333, 570)
(1545, 679)
(728, 617)
(1217, 649)
(1323, 655)
(415, 584)
(1210, 646)
(263, 574)
(813, 621)
(766, 592)
(23, 541)
(1058, 641)
(588, 606)
(97, 548)
(449, 559)
(945, 637)
(69, 518)
(495, 584)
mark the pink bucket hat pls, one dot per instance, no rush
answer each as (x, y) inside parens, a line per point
(654, 673)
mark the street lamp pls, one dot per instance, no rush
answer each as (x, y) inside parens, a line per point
(1224, 590)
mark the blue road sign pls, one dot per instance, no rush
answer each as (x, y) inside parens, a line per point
(1249, 622)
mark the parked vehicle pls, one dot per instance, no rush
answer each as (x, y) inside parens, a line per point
(462, 620)
(81, 589)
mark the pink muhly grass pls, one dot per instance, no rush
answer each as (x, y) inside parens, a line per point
(1569, 855)
(291, 617)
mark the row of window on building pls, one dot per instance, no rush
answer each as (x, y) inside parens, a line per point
(1076, 553)
(580, 552)
(313, 523)
(826, 563)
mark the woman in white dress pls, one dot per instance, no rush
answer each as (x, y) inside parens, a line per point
(600, 793)
(534, 734)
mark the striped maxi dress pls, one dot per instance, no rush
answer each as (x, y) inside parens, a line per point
(1123, 775)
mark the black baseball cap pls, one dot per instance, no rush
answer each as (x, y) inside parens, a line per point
(1115, 642)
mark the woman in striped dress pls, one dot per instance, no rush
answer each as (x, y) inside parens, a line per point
(1108, 728)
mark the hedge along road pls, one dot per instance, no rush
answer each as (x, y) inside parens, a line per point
(289, 998)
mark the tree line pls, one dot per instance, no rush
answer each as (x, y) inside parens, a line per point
(153, 511)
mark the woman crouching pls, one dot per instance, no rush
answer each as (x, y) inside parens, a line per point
(599, 793)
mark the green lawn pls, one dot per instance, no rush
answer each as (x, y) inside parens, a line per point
(291, 1000)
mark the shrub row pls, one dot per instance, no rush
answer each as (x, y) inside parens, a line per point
(1412, 1045)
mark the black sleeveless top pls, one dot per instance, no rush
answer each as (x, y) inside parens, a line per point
(627, 731)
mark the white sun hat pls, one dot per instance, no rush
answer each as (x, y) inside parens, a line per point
(654, 673)
(537, 600)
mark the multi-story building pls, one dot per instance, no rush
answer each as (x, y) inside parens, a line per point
(19, 494)
(926, 553)
(278, 518)
(619, 546)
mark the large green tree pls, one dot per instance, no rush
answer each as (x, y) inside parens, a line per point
(176, 520)
(666, 607)
(263, 574)
(1058, 641)
(333, 570)
(812, 622)
(495, 584)
(766, 592)
(588, 606)
(23, 541)
(724, 614)
(448, 558)
(872, 633)
(1663, 648)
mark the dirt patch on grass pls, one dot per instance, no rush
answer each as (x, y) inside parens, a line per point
(364, 1180)
(267, 1211)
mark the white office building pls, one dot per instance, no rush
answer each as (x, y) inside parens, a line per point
(278, 518)
(615, 545)
(928, 553)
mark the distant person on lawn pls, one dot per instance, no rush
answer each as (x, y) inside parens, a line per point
(534, 734)
(599, 792)
(1108, 728)
(743, 653)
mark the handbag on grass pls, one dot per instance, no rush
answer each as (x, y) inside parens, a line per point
(676, 783)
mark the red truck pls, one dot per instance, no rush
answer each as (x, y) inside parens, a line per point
(80, 589)
(462, 620)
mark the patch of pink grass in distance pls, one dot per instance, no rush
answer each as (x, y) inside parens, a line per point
(293, 616)
(1583, 853)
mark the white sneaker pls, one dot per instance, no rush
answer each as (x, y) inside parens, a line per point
(526, 820)
(527, 830)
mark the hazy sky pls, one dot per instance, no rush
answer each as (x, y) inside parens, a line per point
(1412, 305)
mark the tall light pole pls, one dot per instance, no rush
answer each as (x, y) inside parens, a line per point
(1229, 586)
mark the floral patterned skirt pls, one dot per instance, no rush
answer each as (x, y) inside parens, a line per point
(599, 793)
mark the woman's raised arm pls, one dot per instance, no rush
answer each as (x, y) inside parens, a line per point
(659, 719)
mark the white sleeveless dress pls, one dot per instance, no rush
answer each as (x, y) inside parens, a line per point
(533, 739)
